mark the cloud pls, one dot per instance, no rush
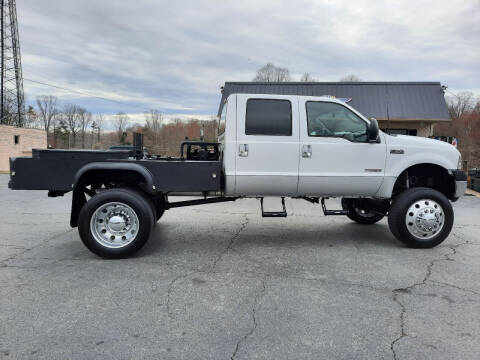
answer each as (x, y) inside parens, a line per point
(174, 56)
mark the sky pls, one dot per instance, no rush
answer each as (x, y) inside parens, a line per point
(174, 56)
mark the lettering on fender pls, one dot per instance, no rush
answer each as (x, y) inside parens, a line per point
(373, 170)
(397, 151)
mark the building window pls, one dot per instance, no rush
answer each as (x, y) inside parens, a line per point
(16, 139)
(268, 117)
(411, 132)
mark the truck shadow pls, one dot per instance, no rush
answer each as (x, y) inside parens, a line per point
(166, 239)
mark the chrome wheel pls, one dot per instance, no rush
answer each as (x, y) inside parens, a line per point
(424, 219)
(114, 225)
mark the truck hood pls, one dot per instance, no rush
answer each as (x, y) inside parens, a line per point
(419, 141)
(424, 150)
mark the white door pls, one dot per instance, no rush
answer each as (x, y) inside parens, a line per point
(336, 157)
(268, 150)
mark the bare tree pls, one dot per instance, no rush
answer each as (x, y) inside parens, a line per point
(84, 121)
(272, 73)
(477, 106)
(350, 78)
(70, 118)
(47, 108)
(460, 104)
(154, 120)
(121, 122)
(99, 125)
(307, 78)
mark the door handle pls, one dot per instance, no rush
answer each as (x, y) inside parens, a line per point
(307, 151)
(243, 150)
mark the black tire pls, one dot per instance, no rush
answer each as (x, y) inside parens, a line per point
(354, 214)
(398, 213)
(140, 205)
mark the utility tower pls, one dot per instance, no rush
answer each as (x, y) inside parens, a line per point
(12, 102)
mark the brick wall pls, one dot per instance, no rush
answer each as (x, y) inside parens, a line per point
(28, 139)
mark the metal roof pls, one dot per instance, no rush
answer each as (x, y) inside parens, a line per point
(381, 100)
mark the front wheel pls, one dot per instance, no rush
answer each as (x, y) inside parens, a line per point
(116, 223)
(421, 217)
(360, 214)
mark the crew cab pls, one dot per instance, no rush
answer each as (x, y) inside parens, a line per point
(310, 148)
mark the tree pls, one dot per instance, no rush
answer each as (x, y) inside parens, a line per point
(99, 125)
(272, 73)
(460, 104)
(121, 122)
(307, 78)
(61, 131)
(154, 120)
(350, 78)
(47, 108)
(31, 118)
(84, 121)
(465, 127)
(154, 124)
(70, 117)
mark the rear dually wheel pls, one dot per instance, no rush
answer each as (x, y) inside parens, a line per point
(116, 223)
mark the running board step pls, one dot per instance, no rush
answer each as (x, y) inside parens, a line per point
(277, 214)
(332, 212)
(335, 212)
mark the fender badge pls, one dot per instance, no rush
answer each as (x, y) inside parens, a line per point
(397, 151)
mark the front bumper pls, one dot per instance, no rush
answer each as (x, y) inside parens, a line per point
(460, 183)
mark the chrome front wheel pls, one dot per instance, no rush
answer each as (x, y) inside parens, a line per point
(425, 218)
(421, 217)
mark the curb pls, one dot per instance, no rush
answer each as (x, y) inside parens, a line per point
(472, 192)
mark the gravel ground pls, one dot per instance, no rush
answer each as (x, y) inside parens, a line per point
(220, 282)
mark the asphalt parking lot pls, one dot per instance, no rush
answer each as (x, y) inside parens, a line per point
(220, 282)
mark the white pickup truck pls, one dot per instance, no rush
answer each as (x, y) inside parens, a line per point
(310, 148)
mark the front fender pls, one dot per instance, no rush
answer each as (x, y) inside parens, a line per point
(397, 165)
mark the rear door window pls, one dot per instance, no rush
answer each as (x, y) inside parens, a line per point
(268, 117)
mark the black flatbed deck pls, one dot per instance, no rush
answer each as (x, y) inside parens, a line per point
(56, 170)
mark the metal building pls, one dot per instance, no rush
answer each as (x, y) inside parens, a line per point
(410, 108)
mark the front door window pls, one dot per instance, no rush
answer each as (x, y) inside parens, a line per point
(334, 120)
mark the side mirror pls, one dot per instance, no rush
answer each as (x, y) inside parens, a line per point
(373, 131)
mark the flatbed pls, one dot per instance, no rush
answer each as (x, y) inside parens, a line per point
(58, 170)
